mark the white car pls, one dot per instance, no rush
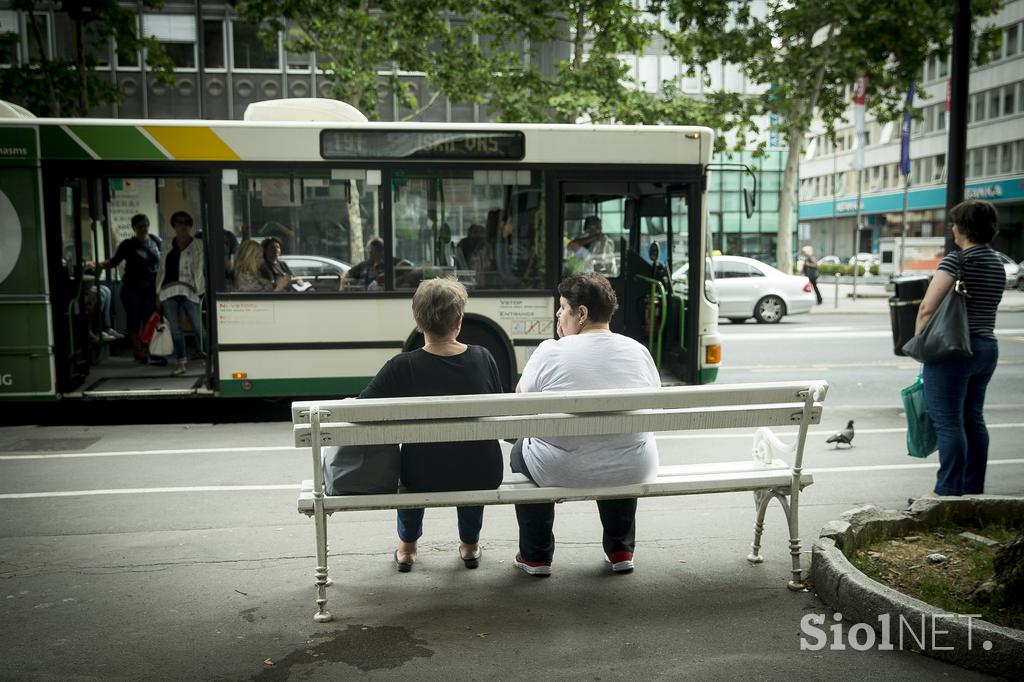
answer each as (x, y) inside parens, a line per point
(1014, 272)
(748, 288)
(322, 272)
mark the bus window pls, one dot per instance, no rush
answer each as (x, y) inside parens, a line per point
(323, 221)
(484, 227)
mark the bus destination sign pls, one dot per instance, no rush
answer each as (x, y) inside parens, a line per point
(422, 144)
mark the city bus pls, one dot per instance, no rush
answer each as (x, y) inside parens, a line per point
(507, 209)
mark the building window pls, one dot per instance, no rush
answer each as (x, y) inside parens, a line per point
(36, 51)
(213, 44)
(991, 160)
(1006, 157)
(975, 158)
(940, 167)
(250, 52)
(1009, 98)
(993, 103)
(979, 107)
(943, 66)
(1010, 40)
(176, 33)
(297, 61)
(940, 117)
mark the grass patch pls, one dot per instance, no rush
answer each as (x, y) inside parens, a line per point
(902, 564)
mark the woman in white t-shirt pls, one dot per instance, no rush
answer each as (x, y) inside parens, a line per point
(587, 355)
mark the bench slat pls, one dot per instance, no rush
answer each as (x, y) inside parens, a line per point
(577, 402)
(548, 425)
(527, 492)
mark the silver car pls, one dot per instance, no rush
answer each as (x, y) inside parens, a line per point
(748, 288)
(1014, 272)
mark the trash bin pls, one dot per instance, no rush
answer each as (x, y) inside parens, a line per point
(903, 309)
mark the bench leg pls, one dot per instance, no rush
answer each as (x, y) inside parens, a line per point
(761, 500)
(322, 615)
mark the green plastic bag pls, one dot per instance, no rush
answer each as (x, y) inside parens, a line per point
(921, 438)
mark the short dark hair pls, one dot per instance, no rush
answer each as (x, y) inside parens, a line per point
(976, 219)
(271, 240)
(593, 290)
(138, 218)
(182, 217)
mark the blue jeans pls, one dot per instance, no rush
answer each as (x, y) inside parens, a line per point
(955, 393)
(173, 307)
(471, 520)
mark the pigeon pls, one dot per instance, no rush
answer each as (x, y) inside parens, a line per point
(844, 436)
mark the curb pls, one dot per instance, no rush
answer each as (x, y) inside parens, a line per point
(972, 643)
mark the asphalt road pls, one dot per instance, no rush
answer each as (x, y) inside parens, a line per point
(173, 551)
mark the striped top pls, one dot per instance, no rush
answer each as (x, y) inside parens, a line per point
(985, 278)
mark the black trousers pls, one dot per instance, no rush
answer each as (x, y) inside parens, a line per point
(536, 521)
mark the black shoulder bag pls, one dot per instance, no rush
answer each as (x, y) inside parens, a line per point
(946, 335)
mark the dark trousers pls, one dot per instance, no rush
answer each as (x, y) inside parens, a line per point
(814, 285)
(471, 520)
(536, 521)
(955, 393)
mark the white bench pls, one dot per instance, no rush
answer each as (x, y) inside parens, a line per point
(572, 413)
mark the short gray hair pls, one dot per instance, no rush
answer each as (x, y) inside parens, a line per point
(438, 304)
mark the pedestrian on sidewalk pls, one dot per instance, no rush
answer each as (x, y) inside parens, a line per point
(811, 269)
(954, 389)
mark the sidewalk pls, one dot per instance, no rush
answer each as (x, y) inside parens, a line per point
(874, 298)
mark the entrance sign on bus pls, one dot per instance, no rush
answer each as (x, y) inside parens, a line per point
(423, 144)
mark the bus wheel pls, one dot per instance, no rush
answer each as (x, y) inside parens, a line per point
(770, 310)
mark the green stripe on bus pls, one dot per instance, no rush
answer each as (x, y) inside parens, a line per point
(708, 375)
(57, 144)
(297, 388)
(118, 142)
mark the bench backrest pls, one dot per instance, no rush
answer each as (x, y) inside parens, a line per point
(568, 413)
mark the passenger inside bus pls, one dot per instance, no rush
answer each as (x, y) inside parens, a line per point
(367, 275)
(181, 282)
(249, 273)
(274, 269)
(474, 253)
(593, 250)
(141, 256)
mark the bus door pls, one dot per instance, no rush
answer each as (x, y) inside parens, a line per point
(636, 233)
(95, 354)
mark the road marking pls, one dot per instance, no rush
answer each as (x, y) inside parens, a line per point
(816, 333)
(249, 488)
(145, 491)
(898, 364)
(895, 467)
(127, 453)
(787, 434)
(286, 448)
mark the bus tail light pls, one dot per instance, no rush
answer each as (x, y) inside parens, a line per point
(240, 375)
(713, 354)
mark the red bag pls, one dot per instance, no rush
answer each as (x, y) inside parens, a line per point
(151, 324)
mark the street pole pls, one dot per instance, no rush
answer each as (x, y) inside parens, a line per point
(856, 233)
(903, 232)
(956, 154)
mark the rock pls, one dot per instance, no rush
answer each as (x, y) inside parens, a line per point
(937, 558)
(979, 539)
(985, 590)
(912, 538)
(1009, 567)
(874, 555)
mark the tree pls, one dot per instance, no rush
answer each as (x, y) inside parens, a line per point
(810, 52)
(58, 86)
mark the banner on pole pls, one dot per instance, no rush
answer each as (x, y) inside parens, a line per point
(908, 118)
(860, 98)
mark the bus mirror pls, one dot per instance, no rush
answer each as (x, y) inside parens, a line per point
(748, 202)
(654, 251)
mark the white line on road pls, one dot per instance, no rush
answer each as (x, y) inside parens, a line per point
(815, 333)
(287, 448)
(244, 488)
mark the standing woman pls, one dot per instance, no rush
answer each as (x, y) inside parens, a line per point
(141, 256)
(954, 389)
(444, 366)
(180, 282)
(588, 355)
(811, 269)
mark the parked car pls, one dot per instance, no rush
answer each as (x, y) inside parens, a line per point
(323, 273)
(864, 259)
(1014, 272)
(829, 260)
(748, 288)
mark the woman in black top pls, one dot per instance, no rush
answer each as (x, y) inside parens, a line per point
(444, 366)
(955, 389)
(141, 256)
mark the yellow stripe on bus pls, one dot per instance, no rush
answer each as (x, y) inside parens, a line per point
(188, 143)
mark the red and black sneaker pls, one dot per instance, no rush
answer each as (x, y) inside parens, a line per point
(622, 562)
(540, 569)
